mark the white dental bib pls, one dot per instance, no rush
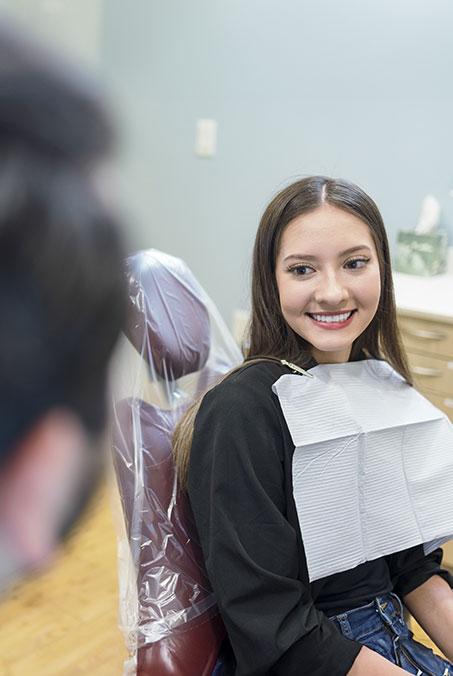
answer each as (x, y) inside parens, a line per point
(372, 467)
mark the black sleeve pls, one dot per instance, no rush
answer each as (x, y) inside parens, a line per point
(411, 568)
(236, 488)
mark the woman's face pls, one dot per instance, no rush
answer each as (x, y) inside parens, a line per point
(328, 280)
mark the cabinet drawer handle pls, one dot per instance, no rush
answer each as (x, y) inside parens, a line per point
(424, 334)
(425, 371)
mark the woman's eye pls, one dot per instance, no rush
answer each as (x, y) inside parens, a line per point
(300, 270)
(357, 263)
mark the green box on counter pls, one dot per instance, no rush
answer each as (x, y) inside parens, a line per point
(423, 255)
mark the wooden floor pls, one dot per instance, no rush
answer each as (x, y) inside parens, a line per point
(64, 623)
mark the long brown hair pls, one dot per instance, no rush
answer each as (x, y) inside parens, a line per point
(269, 334)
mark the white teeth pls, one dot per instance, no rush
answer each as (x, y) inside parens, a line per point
(332, 318)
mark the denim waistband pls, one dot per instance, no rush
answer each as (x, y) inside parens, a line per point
(387, 608)
(381, 626)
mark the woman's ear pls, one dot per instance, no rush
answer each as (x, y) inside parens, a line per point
(39, 485)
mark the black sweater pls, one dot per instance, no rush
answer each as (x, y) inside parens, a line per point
(240, 488)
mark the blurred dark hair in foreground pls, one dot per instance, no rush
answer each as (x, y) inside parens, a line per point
(61, 286)
(61, 282)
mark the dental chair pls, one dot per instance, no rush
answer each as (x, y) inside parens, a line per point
(175, 347)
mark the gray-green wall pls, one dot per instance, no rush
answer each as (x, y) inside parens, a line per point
(354, 88)
(359, 89)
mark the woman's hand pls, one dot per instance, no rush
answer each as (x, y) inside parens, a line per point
(370, 663)
(432, 606)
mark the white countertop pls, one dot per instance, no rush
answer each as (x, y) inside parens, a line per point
(425, 295)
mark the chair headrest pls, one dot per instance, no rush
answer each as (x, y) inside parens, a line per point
(167, 322)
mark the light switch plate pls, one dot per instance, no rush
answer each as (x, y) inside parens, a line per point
(206, 138)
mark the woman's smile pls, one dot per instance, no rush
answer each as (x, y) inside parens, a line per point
(332, 321)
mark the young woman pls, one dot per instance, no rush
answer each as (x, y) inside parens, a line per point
(322, 293)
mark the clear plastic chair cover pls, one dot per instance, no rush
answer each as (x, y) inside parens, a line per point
(175, 347)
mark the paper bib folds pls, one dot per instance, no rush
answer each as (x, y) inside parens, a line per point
(372, 467)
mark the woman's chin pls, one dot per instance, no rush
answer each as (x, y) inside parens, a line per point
(331, 354)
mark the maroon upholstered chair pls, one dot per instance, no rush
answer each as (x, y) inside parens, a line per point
(180, 348)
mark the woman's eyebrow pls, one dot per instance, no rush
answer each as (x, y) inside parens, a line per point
(309, 257)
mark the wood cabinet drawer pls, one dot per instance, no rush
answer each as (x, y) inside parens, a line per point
(447, 559)
(432, 373)
(426, 336)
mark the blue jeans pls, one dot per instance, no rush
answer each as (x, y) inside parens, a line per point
(380, 625)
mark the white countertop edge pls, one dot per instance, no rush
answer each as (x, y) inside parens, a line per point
(427, 296)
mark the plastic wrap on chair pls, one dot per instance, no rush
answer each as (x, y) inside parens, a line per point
(175, 347)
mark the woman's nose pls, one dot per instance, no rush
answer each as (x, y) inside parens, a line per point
(330, 291)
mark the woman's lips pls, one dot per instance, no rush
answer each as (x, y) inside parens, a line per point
(330, 325)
